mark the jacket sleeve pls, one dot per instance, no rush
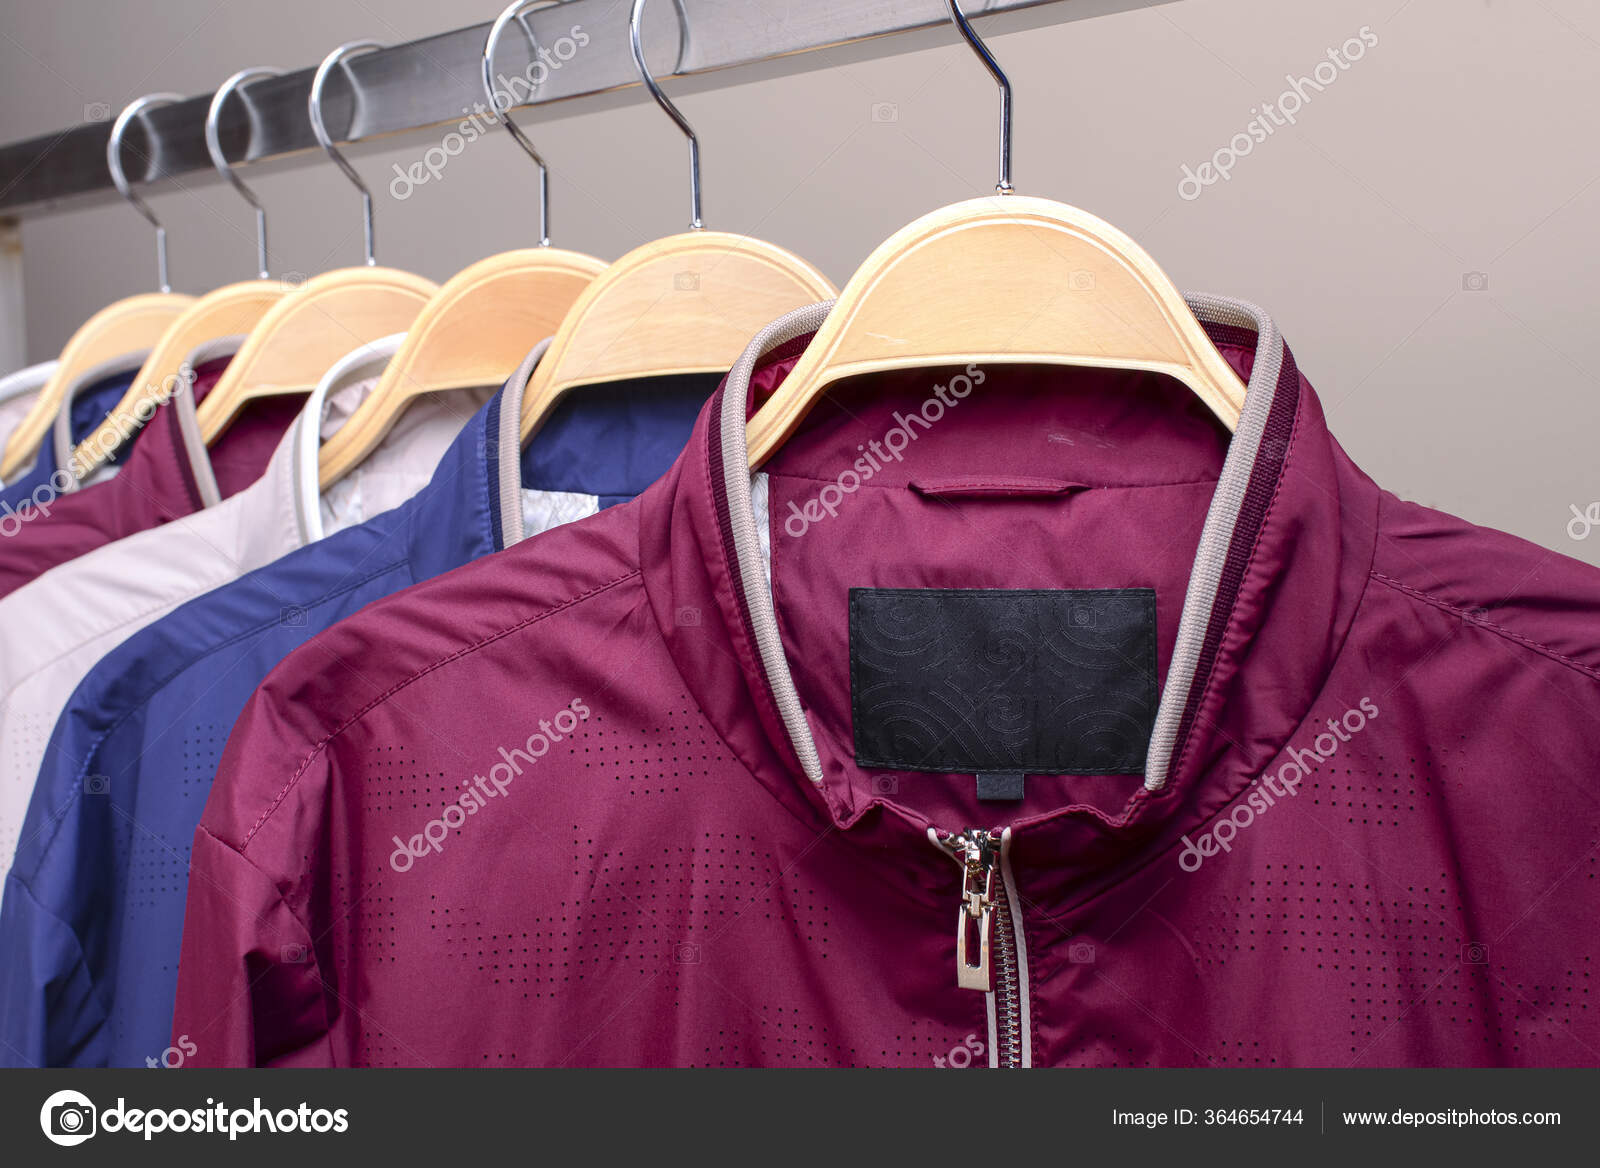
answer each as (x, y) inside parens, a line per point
(49, 1013)
(249, 990)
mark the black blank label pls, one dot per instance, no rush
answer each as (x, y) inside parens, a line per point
(969, 680)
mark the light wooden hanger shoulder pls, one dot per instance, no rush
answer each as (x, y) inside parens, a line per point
(304, 333)
(231, 310)
(131, 325)
(480, 325)
(685, 304)
(1002, 280)
(300, 337)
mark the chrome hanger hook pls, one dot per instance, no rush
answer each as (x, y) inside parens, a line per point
(515, 12)
(636, 40)
(320, 129)
(973, 39)
(220, 160)
(120, 179)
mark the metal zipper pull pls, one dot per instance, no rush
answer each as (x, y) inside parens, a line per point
(975, 918)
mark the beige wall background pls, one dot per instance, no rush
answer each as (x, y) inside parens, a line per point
(1427, 235)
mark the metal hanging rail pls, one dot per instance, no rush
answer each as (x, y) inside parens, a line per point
(435, 81)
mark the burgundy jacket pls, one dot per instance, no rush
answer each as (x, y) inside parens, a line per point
(164, 478)
(664, 787)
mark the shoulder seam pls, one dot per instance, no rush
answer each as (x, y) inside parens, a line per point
(1539, 647)
(81, 772)
(464, 651)
(217, 647)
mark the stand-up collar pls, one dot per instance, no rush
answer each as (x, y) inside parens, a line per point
(1280, 563)
(168, 458)
(67, 429)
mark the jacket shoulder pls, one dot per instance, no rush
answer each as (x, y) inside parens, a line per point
(369, 660)
(1541, 599)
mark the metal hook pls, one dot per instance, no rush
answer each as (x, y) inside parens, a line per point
(320, 129)
(120, 180)
(220, 160)
(503, 115)
(1004, 185)
(635, 20)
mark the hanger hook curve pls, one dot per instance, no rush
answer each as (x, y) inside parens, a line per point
(325, 140)
(976, 42)
(500, 102)
(220, 160)
(120, 179)
(636, 41)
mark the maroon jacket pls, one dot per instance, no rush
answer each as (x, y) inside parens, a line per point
(610, 797)
(164, 478)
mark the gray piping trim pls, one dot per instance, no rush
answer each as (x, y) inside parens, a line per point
(188, 424)
(29, 380)
(61, 428)
(369, 360)
(1210, 556)
(760, 504)
(1221, 519)
(509, 438)
(747, 542)
(991, 1007)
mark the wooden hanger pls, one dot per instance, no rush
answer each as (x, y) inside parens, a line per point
(1003, 280)
(303, 334)
(474, 332)
(300, 337)
(481, 324)
(231, 310)
(685, 304)
(131, 325)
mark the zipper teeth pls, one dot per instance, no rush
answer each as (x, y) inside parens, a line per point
(1008, 1009)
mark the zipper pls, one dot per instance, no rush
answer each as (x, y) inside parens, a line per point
(986, 935)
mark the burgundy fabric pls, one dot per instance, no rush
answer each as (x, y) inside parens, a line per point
(156, 485)
(664, 886)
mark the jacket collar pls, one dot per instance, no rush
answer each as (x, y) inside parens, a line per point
(473, 504)
(1281, 562)
(18, 391)
(168, 463)
(62, 437)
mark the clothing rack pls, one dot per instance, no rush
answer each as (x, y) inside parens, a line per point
(428, 83)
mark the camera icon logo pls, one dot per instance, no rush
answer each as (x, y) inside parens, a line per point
(1475, 281)
(1081, 280)
(884, 112)
(292, 617)
(885, 785)
(97, 784)
(294, 953)
(1474, 953)
(686, 954)
(686, 281)
(293, 280)
(1080, 953)
(97, 111)
(68, 1118)
(687, 618)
